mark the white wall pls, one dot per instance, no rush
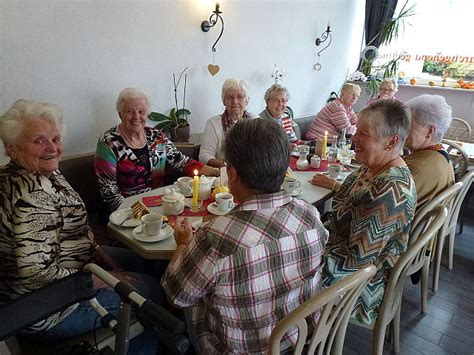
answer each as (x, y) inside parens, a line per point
(80, 54)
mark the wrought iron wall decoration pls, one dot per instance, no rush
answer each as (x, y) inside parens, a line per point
(325, 36)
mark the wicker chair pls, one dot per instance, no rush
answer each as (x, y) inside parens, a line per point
(389, 313)
(459, 158)
(459, 130)
(335, 304)
(445, 198)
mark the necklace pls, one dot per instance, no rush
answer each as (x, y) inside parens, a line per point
(129, 141)
(365, 178)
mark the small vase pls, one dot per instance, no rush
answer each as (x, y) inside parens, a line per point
(302, 162)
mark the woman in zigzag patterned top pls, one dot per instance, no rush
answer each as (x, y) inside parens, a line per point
(373, 208)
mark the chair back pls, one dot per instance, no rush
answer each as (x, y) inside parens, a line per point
(445, 198)
(459, 158)
(335, 304)
(426, 228)
(459, 130)
(453, 216)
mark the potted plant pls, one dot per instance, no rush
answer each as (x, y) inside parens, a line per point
(389, 31)
(175, 124)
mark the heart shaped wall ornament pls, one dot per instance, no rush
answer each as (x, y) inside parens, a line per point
(213, 69)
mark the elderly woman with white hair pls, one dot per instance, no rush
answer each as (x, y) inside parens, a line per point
(276, 98)
(131, 157)
(235, 99)
(337, 115)
(44, 234)
(428, 161)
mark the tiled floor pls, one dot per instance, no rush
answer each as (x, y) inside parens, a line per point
(448, 326)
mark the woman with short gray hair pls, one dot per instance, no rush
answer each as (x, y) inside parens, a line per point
(235, 99)
(428, 161)
(373, 208)
(276, 98)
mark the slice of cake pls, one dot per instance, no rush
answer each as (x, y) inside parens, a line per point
(139, 210)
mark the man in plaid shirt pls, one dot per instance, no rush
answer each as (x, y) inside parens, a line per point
(244, 271)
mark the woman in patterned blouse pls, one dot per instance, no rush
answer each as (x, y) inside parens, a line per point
(43, 228)
(131, 157)
(373, 208)
(337, 115)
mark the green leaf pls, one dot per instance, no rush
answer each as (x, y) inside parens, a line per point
(165, 125)
(183, 112)
(156, 116)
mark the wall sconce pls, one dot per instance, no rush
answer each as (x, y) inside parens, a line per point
(324, 37)
(213, 19)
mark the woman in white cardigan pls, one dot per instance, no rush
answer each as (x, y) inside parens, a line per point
(235, 99)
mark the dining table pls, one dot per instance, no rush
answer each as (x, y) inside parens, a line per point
(164, 249)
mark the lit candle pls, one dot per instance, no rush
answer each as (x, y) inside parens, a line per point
(325, 144)
(195, 188)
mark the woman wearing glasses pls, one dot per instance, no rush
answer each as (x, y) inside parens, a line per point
(388, 89)
(276, 97)
(235, 99)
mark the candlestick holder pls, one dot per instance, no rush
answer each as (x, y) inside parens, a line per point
(196, 207)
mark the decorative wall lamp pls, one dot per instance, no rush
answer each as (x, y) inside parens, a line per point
(324, 37)
(213, 19)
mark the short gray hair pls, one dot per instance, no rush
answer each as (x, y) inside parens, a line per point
(260, 167)
(14, 121)
(388, 117)
(274, 90)
(131, 93)
(432, 110)
(235, 84)
(390, 81)
(350, 86)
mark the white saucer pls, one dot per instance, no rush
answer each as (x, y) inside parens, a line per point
(124, 218)
(178, 190)
(296, 192)
(165, 232)
(212, 208)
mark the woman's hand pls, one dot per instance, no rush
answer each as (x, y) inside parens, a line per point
(210, 171)
(323, 181)
(183, 231)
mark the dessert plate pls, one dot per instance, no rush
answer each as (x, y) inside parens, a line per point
(124, 218)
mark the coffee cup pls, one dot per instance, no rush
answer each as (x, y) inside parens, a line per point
(290, 184)
(315, 162)
(183, 184)
(334, 170)
(152, 223)
(224, 201)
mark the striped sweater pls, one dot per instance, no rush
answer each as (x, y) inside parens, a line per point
(333, 118)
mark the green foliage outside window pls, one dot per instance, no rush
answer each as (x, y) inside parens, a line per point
(457, 70)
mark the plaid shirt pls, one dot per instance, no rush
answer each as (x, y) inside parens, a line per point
(245, 271)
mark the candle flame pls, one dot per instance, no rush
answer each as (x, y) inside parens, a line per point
(326, 133)
(196, 172)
